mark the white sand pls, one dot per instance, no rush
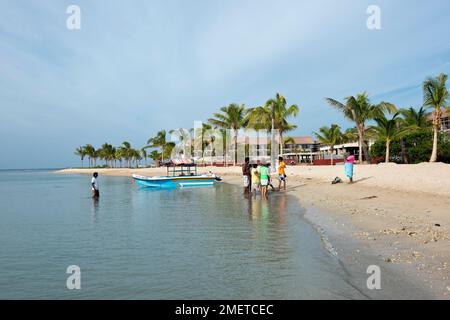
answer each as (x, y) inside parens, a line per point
(431, 178)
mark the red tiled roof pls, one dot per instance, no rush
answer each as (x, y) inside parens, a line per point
(303, 140)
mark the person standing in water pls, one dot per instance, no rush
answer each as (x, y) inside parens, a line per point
(349, 162)
(255, 179)
(94, 185)
(246, 174)
(281, 173)
(264, 179)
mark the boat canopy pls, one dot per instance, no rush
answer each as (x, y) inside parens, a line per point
(180, 167)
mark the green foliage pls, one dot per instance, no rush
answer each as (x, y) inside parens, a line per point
(330, 136)
(419, 145)
(359, 109)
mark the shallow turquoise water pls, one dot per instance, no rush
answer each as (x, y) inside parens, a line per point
(137, 243)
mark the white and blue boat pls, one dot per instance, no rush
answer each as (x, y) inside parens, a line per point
(179, 174)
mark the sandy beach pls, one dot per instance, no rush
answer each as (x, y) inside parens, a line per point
(396, 214)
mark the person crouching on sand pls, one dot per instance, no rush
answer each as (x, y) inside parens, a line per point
(94, 185)
(349, 162)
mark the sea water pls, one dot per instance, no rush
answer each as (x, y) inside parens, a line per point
(141, 243)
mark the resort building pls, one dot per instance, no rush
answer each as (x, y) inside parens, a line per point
(303, 149)
(339, 151)
(445, 121)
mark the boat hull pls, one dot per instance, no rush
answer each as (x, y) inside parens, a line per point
(175, 182)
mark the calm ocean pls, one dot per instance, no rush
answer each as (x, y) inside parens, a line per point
(137, 243)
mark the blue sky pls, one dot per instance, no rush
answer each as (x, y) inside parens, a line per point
(136, 67)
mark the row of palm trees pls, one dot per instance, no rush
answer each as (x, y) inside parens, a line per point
(273, 114)
(391, 123)
(123, 155)
(360, 110)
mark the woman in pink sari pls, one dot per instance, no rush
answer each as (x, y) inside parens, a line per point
(349, 161)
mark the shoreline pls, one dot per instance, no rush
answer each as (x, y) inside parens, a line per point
(432, 178)
(402, 260)
(403, 228)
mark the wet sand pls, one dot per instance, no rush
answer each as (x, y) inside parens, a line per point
(395, 231)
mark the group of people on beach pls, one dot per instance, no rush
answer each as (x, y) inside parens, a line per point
(257, 177)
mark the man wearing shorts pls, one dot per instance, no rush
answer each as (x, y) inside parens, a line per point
(281, 173)
(94, 186)
(264, 179)
(246, 175)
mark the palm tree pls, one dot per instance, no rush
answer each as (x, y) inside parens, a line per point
(126, 152)
(118, 156)
(144, 155)
(274, 115)
(330, 136)
(107, 152)
(359, 109)
(350, 135)
(206, 141)
(280, 114)
(185, 138)
(435, 95)
(415, 119)
(388, 130)
(230, 117)
(155, 156)
(137, 156)
(90, 152)
(81, 152)
(160, 141)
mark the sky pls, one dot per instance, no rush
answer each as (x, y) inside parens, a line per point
(138, 66)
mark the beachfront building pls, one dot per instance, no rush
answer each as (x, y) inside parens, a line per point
(303, 149)
(339, 151)
(445, 121)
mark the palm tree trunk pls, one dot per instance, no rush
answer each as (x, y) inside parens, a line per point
(235, 148)
(225, 152)
(360, 157)
(364, 145)
(435, 144)
(366, 152)
(360, 140)
(281, 143)
(402, 147)
(388, 143)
